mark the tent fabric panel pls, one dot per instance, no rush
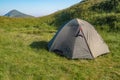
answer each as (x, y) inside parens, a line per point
(65, 40)
(94, 40)
(81, 49)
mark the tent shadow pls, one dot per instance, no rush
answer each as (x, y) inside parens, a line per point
(39, 45)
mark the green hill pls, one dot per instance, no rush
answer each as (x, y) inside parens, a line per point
(15, 13)
(99, 13)
(23, 45)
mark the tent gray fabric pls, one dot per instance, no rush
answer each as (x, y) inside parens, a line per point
(78, 39)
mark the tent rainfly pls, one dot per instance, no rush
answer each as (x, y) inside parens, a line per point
(78, 39)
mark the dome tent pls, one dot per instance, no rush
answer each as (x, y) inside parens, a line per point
(78, 39)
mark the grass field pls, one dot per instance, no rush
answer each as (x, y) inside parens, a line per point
(24, 56)
(23, 45)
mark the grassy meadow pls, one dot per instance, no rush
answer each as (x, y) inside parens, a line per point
(24, 55)
(23, 45)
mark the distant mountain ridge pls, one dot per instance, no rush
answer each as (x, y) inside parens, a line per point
(16, 13)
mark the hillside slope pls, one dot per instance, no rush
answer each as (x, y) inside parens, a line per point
(15, 13)
(97, 12)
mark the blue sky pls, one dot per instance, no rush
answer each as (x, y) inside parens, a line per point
(35, 7)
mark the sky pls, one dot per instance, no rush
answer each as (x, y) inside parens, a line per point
(35, 7)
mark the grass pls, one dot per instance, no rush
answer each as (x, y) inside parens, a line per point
(23, 45)
(24, 56)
